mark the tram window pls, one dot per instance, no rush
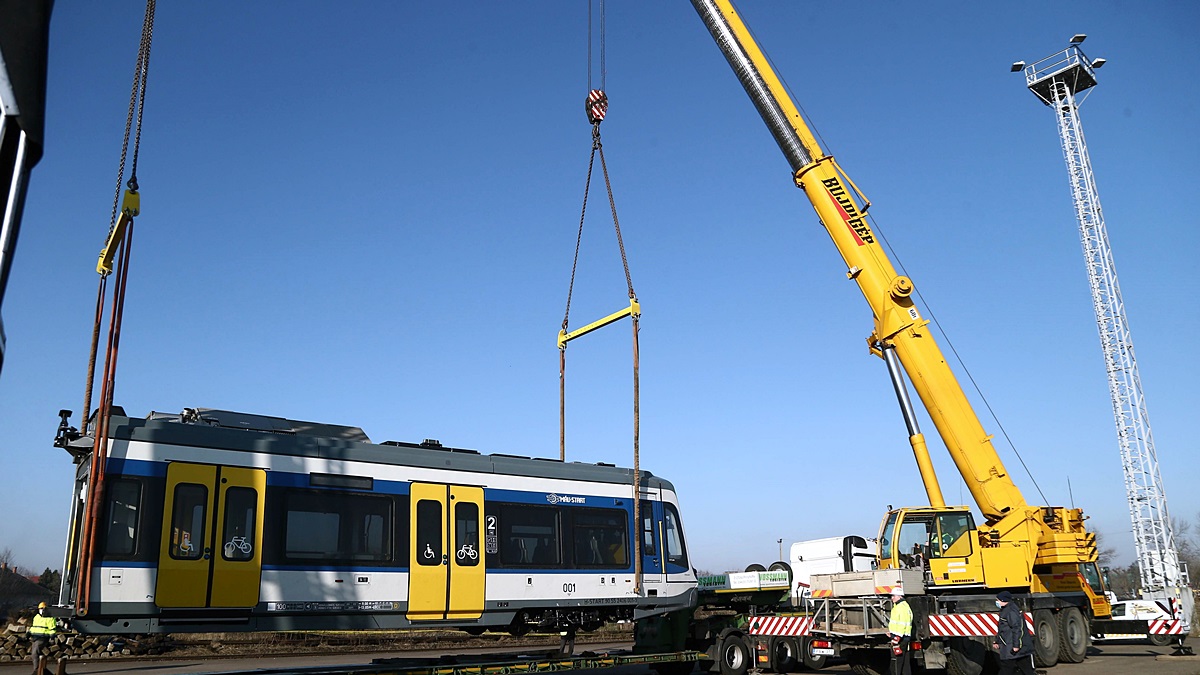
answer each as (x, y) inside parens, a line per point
(429, 532)
(124, 504)
(529, 536)
(239, 528)
(337, 527)
(676, 551)
(646, 511)
(599, 537)
(187, 521)
(466, 534)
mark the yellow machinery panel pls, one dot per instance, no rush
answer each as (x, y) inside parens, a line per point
(210, 554)
(237, 558)
(446, 564)
(185, 553)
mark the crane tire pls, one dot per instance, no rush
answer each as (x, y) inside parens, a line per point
(1159, 640)
(1046, 638)
(1072, 636)
(966, 657)
(755, 567)
(733, 655)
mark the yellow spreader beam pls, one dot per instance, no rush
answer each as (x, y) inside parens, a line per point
(634, 309)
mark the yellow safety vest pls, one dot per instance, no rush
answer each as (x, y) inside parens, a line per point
(900, 622)
(43, 626)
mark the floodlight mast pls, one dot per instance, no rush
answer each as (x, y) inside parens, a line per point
(1056, 80)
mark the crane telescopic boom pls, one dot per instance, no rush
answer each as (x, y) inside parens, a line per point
(1022, 547)
(898, 323)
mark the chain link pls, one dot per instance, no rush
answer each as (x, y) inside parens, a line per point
(137, 100)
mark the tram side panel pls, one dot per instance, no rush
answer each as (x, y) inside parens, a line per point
(255, 541)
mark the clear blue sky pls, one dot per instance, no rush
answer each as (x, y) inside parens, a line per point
(363, 213)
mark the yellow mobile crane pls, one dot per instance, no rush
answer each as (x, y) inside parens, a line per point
(1042, 554)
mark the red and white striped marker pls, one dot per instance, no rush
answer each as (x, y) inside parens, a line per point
(597, 106)
(961, 625)
(781, 625)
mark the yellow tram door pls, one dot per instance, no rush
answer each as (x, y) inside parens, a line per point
(210, 554)
(446, 562)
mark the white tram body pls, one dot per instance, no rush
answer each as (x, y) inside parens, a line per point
(212, 519)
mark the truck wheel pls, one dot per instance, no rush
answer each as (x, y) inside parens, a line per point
(1072, 636)
(785, 654)
(811, 661)
(734, 655)
(966, 656)
(1159, 640)
(755, 567)
(1046, 639)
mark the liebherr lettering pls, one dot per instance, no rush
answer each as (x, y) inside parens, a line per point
(850, 214)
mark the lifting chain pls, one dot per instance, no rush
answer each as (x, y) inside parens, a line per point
(596, 107)
(117, 248)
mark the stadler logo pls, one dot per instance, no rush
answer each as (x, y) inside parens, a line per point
(558, 499)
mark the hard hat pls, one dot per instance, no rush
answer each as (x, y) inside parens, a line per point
(41, 605)
(897, 591)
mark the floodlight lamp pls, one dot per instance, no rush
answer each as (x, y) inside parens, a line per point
(1018, 66)
(1078, 38)
(1099, 62)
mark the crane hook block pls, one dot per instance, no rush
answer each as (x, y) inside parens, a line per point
(132, 203)
(597, 106)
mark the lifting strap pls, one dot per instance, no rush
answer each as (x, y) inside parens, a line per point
(596, 107)
(114, 257)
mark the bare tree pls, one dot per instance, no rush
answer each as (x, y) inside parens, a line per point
(1105, 553)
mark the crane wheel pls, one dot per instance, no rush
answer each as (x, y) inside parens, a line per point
(1159, 640)
(1046, 638)
(967, 656)
(1072, 636)
(755, 567)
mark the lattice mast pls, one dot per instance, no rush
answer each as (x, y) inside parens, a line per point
(1057, 80)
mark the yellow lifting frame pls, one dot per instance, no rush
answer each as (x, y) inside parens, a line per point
(633, 310)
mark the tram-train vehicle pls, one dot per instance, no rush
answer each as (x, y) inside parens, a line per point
(247, 522)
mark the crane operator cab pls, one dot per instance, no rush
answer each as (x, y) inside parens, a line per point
(945, 544)
(940, 541)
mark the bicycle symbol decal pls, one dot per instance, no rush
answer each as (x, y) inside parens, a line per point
(237, 544)
(468, 551)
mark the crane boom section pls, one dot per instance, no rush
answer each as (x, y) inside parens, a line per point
(898, 323)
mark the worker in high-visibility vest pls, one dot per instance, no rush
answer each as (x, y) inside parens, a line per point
(900, 630)
(41, 632)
